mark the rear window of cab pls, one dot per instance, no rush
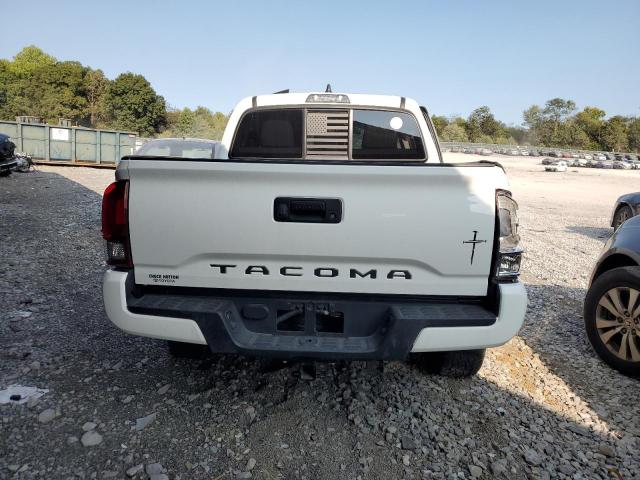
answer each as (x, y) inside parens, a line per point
(328, 134)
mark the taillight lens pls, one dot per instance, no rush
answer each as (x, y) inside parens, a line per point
(115, 224)
(509, 251)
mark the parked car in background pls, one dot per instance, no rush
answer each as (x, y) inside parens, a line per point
(587, 156)
(608, 156)
(533, 152)
(618, 156)
(621, 165)
(7, 158)
(599, 156)
(514, 151)
(559, 166)
(486, 152)
(579, 162)
(555, 154)
(524, 153)
(178, 148)
(547, 161)
(612, 304)
(566, 155)
(626, 206)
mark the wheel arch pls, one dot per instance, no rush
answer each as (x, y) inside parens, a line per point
(615, 260)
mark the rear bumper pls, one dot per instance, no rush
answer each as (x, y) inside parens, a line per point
(301, 326)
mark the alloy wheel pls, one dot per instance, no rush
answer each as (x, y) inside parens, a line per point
(618, 322)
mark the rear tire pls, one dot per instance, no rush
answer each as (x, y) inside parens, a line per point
(622, 214)
(188, 350)
(607, 332)
(457, 364)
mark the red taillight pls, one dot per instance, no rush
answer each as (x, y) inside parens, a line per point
(115, 224)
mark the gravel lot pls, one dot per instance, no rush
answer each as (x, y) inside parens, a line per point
(543, 406)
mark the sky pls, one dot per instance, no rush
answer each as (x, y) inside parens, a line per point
(451, 56)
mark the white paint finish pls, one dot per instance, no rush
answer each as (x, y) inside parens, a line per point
(513, 306)
(185, 216)
(167, 328)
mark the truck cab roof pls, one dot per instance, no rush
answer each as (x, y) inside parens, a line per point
(325, 99)
(314, 103)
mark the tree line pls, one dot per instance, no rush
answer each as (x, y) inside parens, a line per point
(36, 84)
(556, 124)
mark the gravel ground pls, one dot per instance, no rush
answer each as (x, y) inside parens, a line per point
(543, 405)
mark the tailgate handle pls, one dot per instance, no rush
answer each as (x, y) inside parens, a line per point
(307, 210)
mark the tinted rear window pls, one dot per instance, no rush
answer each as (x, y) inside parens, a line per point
(177, 148)
(374, 135)
(385, 135)
(269, 134)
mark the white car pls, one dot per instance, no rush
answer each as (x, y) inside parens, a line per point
(621, 164)
(579, 162)
(556, 167)
(524, 153)
(326, 226)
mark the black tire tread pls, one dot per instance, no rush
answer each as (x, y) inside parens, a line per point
(616, 222)
(188, 350)
(454, 364)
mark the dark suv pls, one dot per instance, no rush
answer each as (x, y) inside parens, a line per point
(612, 304)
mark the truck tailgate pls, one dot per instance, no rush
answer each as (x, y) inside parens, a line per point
(421, 230)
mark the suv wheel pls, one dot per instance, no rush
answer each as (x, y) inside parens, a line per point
(612, 318)
(623, 214)
(188, 350)
(463, 363)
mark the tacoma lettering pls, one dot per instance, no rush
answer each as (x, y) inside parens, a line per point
(223, 268)
(257, 269)
(353, 273)
(286, 271)
(399, 274)
(320, 272)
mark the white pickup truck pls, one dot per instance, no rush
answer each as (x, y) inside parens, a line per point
(326, 227)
